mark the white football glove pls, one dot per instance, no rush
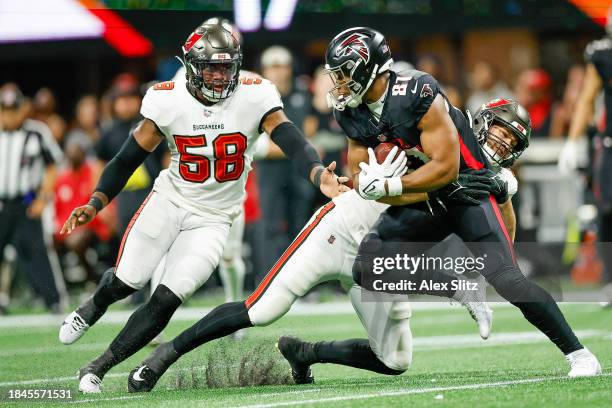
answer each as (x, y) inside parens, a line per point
(372, 183)
(392, 166)
(374, 175)
(572, 157)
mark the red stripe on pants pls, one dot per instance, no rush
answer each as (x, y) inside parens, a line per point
(286, 255)
(129, 227)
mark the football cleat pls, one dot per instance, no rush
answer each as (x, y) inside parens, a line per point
(295, 350)
(89, 383)
(475, 301)
(144, 377)
(583, 364)
(73, 328)
(483, 315)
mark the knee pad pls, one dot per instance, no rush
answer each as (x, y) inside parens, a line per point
(268, 310)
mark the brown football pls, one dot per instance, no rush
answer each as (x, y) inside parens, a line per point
(382, 150)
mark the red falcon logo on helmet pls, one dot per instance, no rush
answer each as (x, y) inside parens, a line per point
(354, 44)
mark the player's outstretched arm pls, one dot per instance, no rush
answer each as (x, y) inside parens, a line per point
(143, 140)
(440, 143)
(302, 154)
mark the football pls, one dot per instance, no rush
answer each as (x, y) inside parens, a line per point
(382, 150)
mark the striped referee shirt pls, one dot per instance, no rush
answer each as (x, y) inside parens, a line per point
(24, 155)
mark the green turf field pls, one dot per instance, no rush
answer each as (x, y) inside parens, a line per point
(451, 365)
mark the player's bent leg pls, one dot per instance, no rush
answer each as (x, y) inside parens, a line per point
(133, 271)
(296, 272)
(221, 321)
(387, 351)
(388, 326)
(144, 324)
(355, 353)
(110, 289)
(538, 307)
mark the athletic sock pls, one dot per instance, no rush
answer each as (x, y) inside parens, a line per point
(221, 321)
(142, 326)
(353, 353)
(109, 290)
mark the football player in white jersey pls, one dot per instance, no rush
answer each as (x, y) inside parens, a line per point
(210, 123)
(232, 269)
(325, 250)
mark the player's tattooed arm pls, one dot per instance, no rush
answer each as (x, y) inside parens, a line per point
(358, 153)
(440, 142)
(142, 141)
(507, 212)
(302, 154)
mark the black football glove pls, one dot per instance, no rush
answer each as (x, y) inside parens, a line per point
(466, 190)
(498, 187)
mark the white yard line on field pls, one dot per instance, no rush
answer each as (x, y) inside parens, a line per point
(194, 314)
(105, 399)
(409, 392)
(420, 343)
(300, 308)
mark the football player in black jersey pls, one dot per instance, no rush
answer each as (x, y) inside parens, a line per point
(373, 105)
(598, 55)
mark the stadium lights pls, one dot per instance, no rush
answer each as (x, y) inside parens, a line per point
(279, 14)
(43, 20)
(247, 14)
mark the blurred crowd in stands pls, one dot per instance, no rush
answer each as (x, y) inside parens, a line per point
(279, 202)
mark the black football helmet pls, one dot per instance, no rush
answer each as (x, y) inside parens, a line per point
(212, 57)
(354, 59)
(512, 116)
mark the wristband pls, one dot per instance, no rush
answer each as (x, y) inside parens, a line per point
(317, 177)
(394, 185)
(96, 203)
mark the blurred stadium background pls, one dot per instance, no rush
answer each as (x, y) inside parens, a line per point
(83, 65)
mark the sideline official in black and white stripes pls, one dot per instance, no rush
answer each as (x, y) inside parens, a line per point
(28, 158)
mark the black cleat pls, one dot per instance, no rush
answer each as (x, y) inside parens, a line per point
(295, 352)
(144, 377)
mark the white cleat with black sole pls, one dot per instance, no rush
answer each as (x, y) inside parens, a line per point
(583, 363)
(73, 328)
(90, 384)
